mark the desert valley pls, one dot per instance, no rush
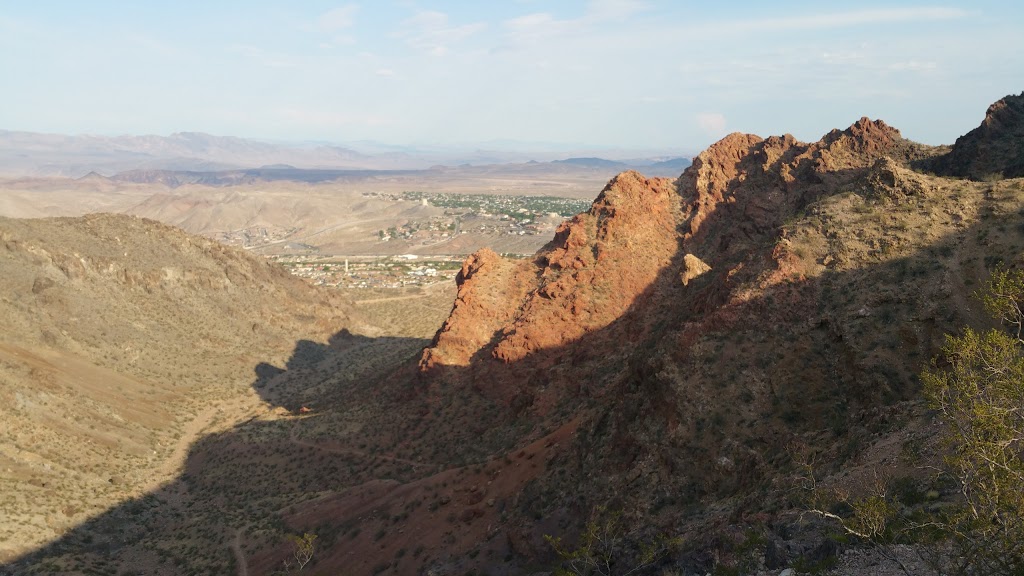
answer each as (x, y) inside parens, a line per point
(562, 288)
(511, 369)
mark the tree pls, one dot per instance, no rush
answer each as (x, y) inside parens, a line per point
(980, 394)
(872, 518)
(303, 548)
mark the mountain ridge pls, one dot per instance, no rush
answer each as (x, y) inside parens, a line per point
(36, 154)
(739, 249)
(671, 359)
(993, 150)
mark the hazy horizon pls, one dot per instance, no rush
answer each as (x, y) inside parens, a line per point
(371, 146)
(600, 74)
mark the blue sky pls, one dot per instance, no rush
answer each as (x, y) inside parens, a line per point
(671, 75)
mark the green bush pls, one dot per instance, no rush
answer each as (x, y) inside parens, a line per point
(979, 391)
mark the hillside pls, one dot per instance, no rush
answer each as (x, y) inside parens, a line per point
(674, 358)
(993, 150)
(123, 338)
(675, 350)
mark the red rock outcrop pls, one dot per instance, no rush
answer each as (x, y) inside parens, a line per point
(597, 265)
(490, 291)
(601, 261)
(712, 175)
(752, 184)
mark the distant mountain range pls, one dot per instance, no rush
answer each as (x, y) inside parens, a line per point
(35, 154)
(278, 172)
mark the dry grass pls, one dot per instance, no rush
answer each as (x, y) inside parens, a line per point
(121, 337)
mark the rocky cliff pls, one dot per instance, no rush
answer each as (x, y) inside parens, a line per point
(593, 271)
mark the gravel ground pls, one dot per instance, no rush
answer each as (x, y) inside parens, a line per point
(897, 560)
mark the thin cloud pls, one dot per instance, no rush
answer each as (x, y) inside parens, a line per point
(842, 57)
(339, 40)
(430, 32)
(913, 66)
(530, 28)
(338, 18)
(530, 21)
(711, 123)
(154, 45)
(320, 118)
(841, 19)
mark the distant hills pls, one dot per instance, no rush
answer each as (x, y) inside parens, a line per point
(35, 154)
(29, 153)
(176, 178)
(669, 168)
(278, 172)
(593, 163)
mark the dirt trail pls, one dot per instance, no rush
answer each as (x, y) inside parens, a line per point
(233, 410)
(236, 549)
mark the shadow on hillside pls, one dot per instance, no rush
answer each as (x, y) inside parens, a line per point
(305, 378)
(667, 423)
(237, 482)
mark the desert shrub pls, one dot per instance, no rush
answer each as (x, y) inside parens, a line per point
(979, 391)
(605, 549)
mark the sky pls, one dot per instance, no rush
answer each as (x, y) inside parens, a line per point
(647, 74)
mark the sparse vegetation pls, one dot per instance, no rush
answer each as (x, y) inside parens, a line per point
(604, 550)
(303, 548)
(979, 391)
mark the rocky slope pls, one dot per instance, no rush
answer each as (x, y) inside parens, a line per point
(993, 150)
(673, 349)
(671, 363)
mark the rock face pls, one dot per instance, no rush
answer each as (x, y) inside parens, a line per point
(693, 267)
(993, 150)
(590, 274)
(490, 291)
(764, 179)
(611, 272)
